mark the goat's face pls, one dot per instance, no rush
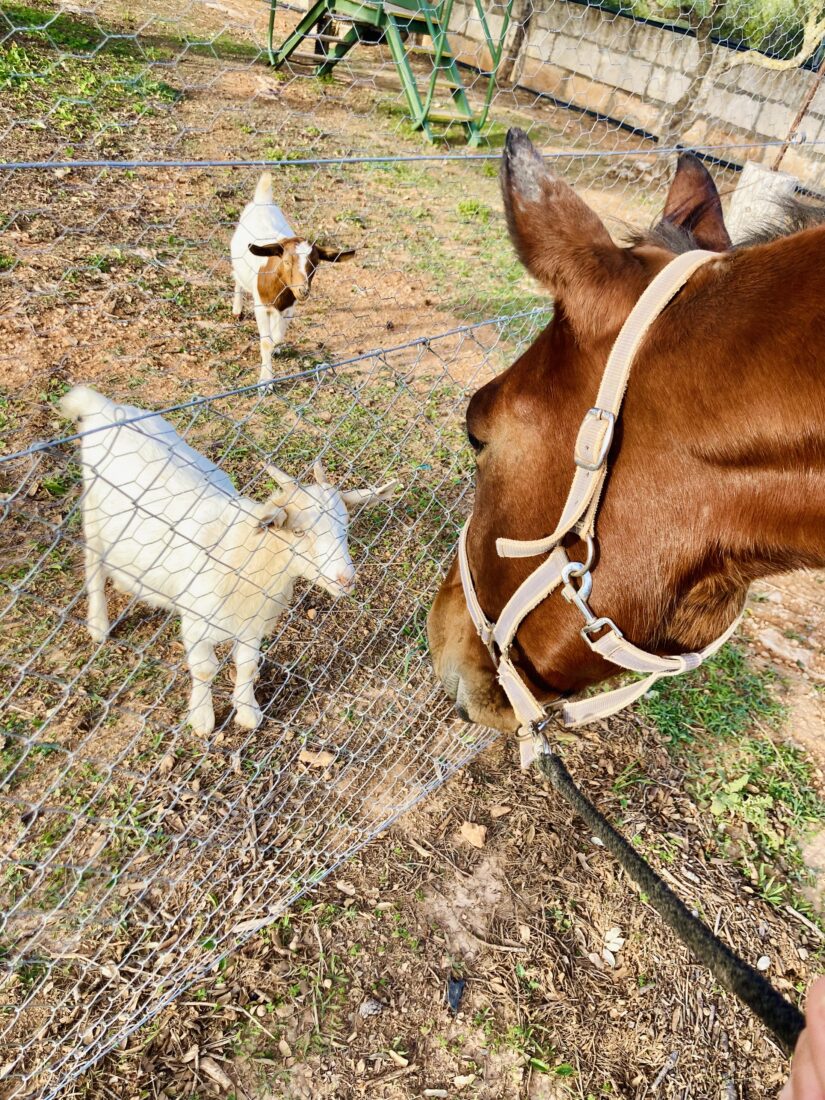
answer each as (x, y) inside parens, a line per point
(291, 267)
(319, 516)
(300, 261)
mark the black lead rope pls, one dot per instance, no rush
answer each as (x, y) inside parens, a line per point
(779, 1015)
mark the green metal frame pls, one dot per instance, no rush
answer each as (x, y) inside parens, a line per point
(414, 17)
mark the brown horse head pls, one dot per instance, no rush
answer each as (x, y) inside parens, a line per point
(717, 469)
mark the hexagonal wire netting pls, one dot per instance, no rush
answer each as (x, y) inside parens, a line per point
(134, 853)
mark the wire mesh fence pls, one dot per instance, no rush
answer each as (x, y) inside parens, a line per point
(133, 854)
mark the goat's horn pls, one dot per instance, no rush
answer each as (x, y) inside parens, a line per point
(285, 480)
(321, 475)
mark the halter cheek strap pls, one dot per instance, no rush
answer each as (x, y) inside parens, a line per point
(574, 578)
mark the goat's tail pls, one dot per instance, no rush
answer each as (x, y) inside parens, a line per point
(83, 401)
(263, 192)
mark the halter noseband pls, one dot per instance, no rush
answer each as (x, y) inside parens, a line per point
(575, 578)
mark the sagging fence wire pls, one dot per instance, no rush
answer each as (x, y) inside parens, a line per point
(134, 855)
(421, 158)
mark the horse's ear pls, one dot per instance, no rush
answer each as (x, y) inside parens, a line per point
(558, 238)
(693, 203)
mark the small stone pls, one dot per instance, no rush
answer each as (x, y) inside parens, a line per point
(284, 1048)
(609, 958)
(786, 650)
(462, 1082)
(321, 759)
(474, 834)
(763, 963)
(524, 933)
(312, 613)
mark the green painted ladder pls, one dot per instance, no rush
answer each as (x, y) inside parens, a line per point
(393, 21)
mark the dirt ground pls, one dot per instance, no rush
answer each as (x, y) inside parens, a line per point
(145, 875)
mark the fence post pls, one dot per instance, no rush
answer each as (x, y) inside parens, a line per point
(754, 202)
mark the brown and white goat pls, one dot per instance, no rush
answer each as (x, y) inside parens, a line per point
(275, 266)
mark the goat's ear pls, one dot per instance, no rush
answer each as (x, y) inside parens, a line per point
(334, 255)
(693, 203)
(559, 239)
(353, 498)
(267, 249)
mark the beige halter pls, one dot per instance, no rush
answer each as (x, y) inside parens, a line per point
(579, 517)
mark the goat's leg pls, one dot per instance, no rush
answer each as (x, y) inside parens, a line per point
(203, 665)
(279, 322)
(262, 317)
(247, 712)
(237, 301)
(97, 616)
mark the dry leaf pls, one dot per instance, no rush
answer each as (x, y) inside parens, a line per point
(524, 933)
(346, 888)
(167, 763)
(191, 1054)
(284, 1048)
(463, 1082)
(214, 1071)
(474, 834)
(396, 1057)
(500, 811)
(320, 759)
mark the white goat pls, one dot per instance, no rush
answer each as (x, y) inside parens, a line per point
(169, 527)
(275, 266)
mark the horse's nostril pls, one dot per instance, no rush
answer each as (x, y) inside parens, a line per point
(451, 682)
(461, 710)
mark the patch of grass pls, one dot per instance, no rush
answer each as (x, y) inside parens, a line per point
(46, 72)
(473, 210)
(723, 724)
(722, 699)
(7, 261)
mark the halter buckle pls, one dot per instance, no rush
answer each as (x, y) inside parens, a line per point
(601, 443)
(602, 623)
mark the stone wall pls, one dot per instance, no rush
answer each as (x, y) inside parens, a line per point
(635, 72)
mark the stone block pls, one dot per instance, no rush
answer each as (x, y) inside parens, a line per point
(775, 120)
(666, 85)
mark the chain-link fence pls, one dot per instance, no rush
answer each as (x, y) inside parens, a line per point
(134, 854)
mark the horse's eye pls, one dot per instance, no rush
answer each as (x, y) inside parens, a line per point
(475, 443)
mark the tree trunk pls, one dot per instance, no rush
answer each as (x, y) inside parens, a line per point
(517, 37)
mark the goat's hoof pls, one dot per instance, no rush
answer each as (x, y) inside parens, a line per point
(248, 718)
(237, 316)
(202, 721)
(97, 633)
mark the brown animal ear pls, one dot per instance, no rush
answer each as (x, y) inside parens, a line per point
(558, 238)
(334, 255)
(267, 249)
(693, 203)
